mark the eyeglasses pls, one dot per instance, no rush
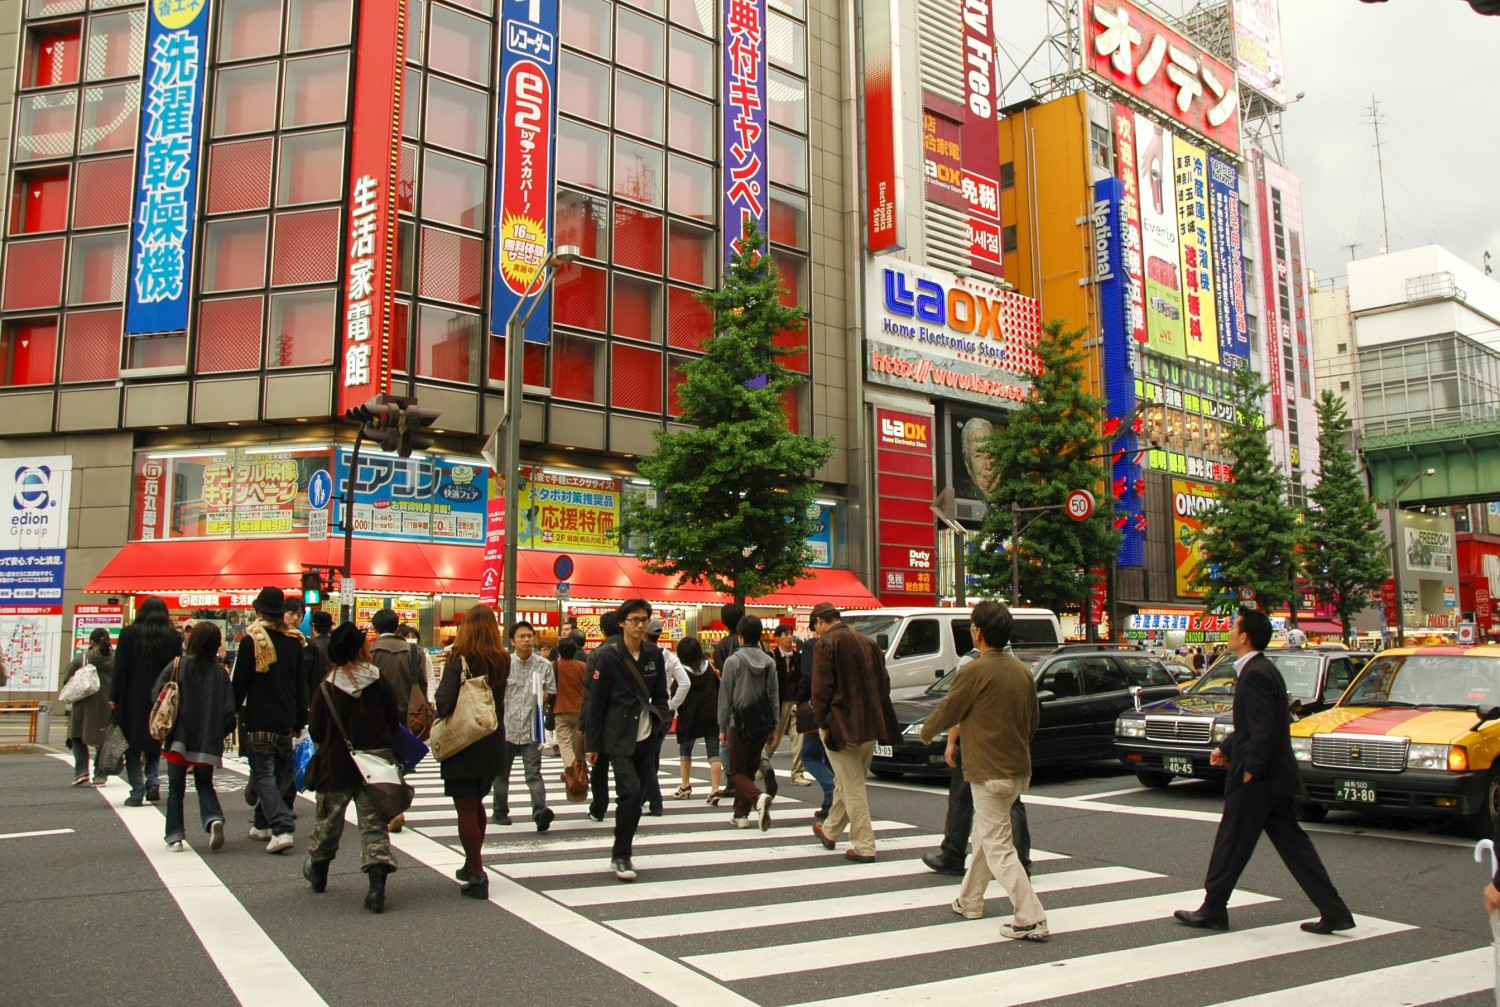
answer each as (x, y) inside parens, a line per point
(638, 618)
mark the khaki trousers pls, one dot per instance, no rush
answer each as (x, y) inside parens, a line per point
(995, 853)
(566, 727)
(850, 805)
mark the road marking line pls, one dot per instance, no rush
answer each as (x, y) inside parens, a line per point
(601, 840)
(838, 952)
(719, 817)
(751, 917)
(1090, 973)
(701, 858)
(1421, 982)
(33, 835)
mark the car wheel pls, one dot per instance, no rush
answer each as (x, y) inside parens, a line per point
(1151, 778)
(888, 774)
(1482, 825)
(1310, 812)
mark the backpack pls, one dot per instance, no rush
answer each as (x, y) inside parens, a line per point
(758, 719)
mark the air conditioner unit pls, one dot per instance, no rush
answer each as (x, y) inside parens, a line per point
(970, 510)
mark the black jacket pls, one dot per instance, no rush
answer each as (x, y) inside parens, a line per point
(613, 704)
(1261, 744)
(137, 665)
(803, 692)
(274, 699)
(371, 719)
(205, 710)
(788, 671)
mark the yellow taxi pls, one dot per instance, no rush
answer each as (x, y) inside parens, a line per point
(1416, 733)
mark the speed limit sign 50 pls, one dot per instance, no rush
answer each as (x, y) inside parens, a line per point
(1080, 505)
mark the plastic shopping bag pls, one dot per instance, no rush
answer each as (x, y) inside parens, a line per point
(302, 753)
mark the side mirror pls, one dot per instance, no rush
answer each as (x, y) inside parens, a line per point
(883, 642)
(1486, 714)
(1046, 696)
(1135, 696)
(937, 673)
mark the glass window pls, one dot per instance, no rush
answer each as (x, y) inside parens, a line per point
(302, 326)
(52, 53)
(577, 368)
(51, 8)
(692, 125)
(675, 377)
(109, 118)
(585, 24)
(447, 344)
(28, 352)
(406, 179)
(691, 254)
(97, 269)
(657, 7)
(317, 24)
(1062, 679)
(245, 100)
(788, 218)
(234, 254)
(582, 155)
(459, 45)
(457, 117)
(922, 636)
(793, 269)
(416, 27)
(690, 189)
(453, 191)
(692, 67)
(689, 322)
(963, 642)
(582, 220)
(406, 262)
(638, 172)
(116, 43)
(1100, 675)
(39, 201)
(636, 379)
(580, 296)
(640, 107)
(482, 6)
(249, 28)
(315, 90)
(786, 43)
(796, 8)
(787, 100)
(638, 239)
(640, 44)
(637, 305)
(312, 168)
(787, 159)
(45, 126)
(411, 104)
(695, 14)
(583, 88)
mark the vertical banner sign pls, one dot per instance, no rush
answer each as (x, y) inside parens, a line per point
(885, 185)
(1153, 153)
(981, 147)
(525, 145)
(1299, 308)
(1229, 261)
(744, 118)
(374, 158)
(1271, 314)
(942, 152)
(166, 170)
(1130, 224)
(1189, 501)
(33, 550)
(1198, 281)
(1120, 365)
(905, 529)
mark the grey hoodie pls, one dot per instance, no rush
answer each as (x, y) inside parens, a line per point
(749, 673)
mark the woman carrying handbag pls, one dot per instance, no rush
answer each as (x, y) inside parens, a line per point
(205, 714)
(89, 716)
(469, 773)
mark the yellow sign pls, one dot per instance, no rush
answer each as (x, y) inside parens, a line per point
(570, 512)
(1189, 501)
(172, 14)
(1198, 281)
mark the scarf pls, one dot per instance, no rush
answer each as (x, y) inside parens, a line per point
(352, 678)
(265, 651)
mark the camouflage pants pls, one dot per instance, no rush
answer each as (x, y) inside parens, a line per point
(374, 841)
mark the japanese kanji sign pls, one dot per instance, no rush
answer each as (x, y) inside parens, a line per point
(1199, 282)
(1142, 57)
(1130, 224)
(744, 119)
(1224, 207)
(1161, 259)
(981, 153)
(525, 170)
(942, 154)
(166, 170)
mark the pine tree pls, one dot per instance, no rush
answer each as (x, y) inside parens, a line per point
(1251, 534)
(734, 495)
(1050, 446)
(1347, 558)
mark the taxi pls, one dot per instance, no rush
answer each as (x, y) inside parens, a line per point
(1417, 733)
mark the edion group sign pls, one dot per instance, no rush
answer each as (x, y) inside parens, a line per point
(903, 487)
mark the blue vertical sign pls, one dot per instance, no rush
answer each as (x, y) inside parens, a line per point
(1109, 225)
(744, 118)
(1229, 262)
(166, 169)
(525, 149)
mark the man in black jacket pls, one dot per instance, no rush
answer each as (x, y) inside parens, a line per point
(609, 625)
(270, 686)
(814, 756)
(1259, 790)
(625, 716)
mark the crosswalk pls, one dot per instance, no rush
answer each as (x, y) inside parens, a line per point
(805, 927)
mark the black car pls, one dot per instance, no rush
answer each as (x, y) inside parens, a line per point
(1081, 692)
(1176, 736)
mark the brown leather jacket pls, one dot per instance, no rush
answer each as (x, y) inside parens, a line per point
(851, 690)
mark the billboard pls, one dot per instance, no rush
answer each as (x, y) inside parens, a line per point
(743, 120)
(1428, 550)
(1131, 254)
(1161, 259)
(249, 493)
(34, 495)
(1189, 501)
(1227, 237)
(885, 185)
(942, 152)
(422, 499)
(981, 153)
(164, 205)
(1257, 46)
(905, 526)
(1200, 328)
(525, 155)
(1137, 54)
(1120, 364)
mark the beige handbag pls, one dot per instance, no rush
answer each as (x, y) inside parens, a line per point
(473, 718)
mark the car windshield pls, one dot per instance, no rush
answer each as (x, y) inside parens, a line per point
(1420, 680)
(1033, 633)
(874, 625)
(1217, 681)
(1299, 671)
(942, 685)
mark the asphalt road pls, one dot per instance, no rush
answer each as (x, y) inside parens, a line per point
(99, 912)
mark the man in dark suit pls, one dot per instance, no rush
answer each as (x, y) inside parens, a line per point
(1259, 790)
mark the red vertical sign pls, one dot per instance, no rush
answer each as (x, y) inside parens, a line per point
(981, 136)
(370, 213)
(1271, 330)
(1130, 213)
(884, 196)
(903, 486)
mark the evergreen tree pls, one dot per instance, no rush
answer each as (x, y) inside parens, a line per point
(1347, 558)
(1251, 534)
(1051, 446)
(734, 495)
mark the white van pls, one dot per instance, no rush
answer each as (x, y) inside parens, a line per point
(923, 644)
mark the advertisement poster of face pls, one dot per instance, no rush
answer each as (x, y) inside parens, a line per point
(1257, 46)
(1163, 266)
(1199, 284)
(1227, 235)
(1189, 501)
(34, 497)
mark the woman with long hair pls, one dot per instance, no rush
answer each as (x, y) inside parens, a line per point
(90, 716)
(470, 773)
(695, 699)
(205, 716)
(146, 646)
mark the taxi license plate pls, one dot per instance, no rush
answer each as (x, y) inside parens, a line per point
(884, 751)
(1181, 765)
(1356, 791)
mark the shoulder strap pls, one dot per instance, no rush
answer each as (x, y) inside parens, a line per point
(334, 713)
(176, 664)
(640, 681)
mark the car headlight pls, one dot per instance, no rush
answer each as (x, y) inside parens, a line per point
(1130, 727)
(1222, 731)
(1302, 749)
(1454, 757)
(915, 731)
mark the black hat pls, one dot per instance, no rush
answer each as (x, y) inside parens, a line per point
(270, 601)
(321, 621)
(345, 644)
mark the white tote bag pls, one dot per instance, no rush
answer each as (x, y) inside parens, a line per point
(83, 684)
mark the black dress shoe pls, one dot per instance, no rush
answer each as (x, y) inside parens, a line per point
(477, 887)
(153, 794)
(1201, 920)
(1328, 926)
(942, 864)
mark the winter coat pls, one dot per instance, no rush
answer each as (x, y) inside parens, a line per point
(371, 719)
(851, 690)
(400, 666)
(698, 713)
(749, 678)
(137, 665)
(90, 716)
(485, 757)
(613, 705)
(274, 700)
(205, 710)
(569, 687)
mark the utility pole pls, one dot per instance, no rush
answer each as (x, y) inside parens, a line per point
(1385, 224)
(1351, 245)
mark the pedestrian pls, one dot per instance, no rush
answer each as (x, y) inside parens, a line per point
(730, 615)
(788, 671)
(404, 671)
(568, 703)
(413, 636)
(992, 701)
(695, 701)
(205, 717)
(655, 804)
(530, 677)
(470, 773)
(958, 824)
(321, 624)
(1198, 660)
(609, 625)
(749, 708)
(353, 708)
(89, 717)
(1259, 790)
(851, 704)
(270, 685)
(146, 646)
(625, 717)
(814, 755)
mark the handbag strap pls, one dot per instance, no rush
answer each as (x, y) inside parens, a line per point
(640, 681)
(334, 713)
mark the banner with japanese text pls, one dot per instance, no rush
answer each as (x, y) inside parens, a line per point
(234, 493)
(1229, 260)
(744, 120)
(1131, 253)
(423, 498)
(1190, 175)
(1120, 365)
(981, 152)
(34, 499)
(1161, 260)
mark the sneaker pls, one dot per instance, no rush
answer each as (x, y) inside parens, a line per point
(740, 823)
(799, 780)
(968, 914)
(216, 835)
(177, 846)
(262, 834)
(763, 808)
(281, 843)
(623, 870)
(133, 802)
(500, 819)
(153, 794)
(81, 780)
(101, 783)
(1035, 932)
(543, 819)
(595, 818)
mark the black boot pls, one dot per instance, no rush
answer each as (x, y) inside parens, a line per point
(316, 873)
(375, 899)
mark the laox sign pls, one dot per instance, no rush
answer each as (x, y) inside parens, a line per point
(956, 308)
(902, 431)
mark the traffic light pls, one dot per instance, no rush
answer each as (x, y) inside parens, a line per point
(381, 416)
(312, 588)
(415, 419)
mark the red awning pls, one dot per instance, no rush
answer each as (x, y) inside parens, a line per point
(1319, 626)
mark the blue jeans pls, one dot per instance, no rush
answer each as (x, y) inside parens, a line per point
(208, 798)
(142, 777)
(815, 761)
(270, 777)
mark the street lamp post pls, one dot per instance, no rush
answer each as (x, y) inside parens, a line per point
(1411, 481)
(515, 364)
